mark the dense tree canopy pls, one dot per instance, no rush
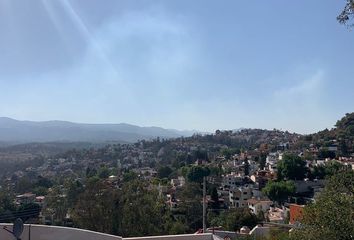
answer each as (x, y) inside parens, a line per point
(6, 203)
(132, 211)
(103, 172)
(331, 216)
(291, 167)
(164, 172)
(279, 191)
(190, 209)
(196, 173)
(97, 203)
(327, 170)
(143, 213)
(234, 219)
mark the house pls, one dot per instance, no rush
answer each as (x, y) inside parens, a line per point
(224, 194)
(113, 178)
(261, 178)
(273, 167)
(25, 198)
(40, 200)
(172, 201)
(296, 213)
(147, 172)
(272, 157)
(238, 196)
(179, 182)
(216, 180)
(253, 167)
(232, 180)
(277, 215)
(349, 162)
(307, 187)
(257, 205)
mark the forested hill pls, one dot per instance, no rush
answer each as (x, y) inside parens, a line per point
(15, 131)
(341, 136)
(256, 141)
(189, 149)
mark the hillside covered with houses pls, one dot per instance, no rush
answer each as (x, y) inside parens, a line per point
(252, 177)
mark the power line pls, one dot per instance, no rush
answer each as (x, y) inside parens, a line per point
(20, 214)
(22, 211)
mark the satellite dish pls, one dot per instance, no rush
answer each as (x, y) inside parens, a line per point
(17, 228)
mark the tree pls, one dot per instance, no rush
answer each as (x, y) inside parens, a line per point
(331, 216)
(324, 153)
(6, 202)
(227, 153)
(246, 167)
(183, 171)
(177, 227)
(291, 167)
(143, 213)
(74, 189)
(216, 171)
(7, 207)
(43, 182)
(32, 210)
(278, 234)
(262, 160)
(23, 185)
(234, 219)
(40, 191)
(347, 14)
(97, 203)
(215, 205)
(327, 170)
(135, 210)
(103, 172)
(190, 209)
(129, 176)
(56, 204)
(200, 154)
(164, 172)
(90, 172)
(279, 191)
(196, 173)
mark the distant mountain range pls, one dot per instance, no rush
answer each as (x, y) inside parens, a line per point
(14, 131)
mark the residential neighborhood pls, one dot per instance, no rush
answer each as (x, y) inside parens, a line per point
(258, 177)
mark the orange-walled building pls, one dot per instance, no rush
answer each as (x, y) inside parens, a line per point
(296, 212)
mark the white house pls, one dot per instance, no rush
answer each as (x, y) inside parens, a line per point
(257, 205)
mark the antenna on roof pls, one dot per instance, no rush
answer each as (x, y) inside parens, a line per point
(17, 228)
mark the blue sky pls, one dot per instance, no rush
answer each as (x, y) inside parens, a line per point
(180, 64)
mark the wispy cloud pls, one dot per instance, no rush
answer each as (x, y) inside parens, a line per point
(298, 106)
(309, 86)
(135, 63)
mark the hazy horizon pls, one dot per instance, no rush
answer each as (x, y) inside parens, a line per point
(164, 127)
(174, 64)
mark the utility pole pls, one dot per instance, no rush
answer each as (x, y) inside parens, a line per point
(204, 206)
(119, 173)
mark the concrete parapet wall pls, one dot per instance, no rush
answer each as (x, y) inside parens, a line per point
(43, 232)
